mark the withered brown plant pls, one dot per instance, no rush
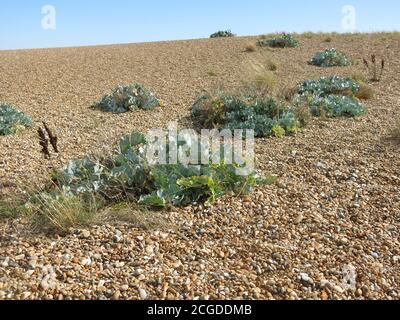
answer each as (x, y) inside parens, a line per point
(52, 137)
(44, 143)
(375, 71)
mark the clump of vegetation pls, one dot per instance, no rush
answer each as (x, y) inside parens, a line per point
(374, 68)
(330, 58)
(129, 174)
(252, 112)
(334, 106)
(329, 85)
(60, 211)
(250, 48)
(128, 98)
(223, 34)
(365, 92)
(12, 120)
(331, 97)
(258, 76)
(285, 41)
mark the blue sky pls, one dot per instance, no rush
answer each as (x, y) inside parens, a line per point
(90, 22)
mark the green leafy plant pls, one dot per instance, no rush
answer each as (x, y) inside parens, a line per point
(223, 34)
(330, 97)
(128, 98)
(336, 106)
(128, 174)
(330, 58)
(12, 120)
(285, 41)
(261, 114)
(329, 85)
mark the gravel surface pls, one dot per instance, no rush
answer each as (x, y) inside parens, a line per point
(336, 207)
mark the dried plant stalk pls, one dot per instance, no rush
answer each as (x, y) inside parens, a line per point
(53, 138)
(44, 143)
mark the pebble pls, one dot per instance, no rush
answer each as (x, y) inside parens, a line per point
(142, 294)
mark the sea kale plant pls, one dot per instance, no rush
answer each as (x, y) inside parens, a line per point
(285, 41)
(12, 120)
(128, 98)
(129, 174)
(331, 97)
(259, 113)
(330, 58)
(223, 34)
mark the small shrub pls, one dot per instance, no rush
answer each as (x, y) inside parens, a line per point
(328, 40)
(248, 111)
(223, 34)
(375, 71)
(285, 41)
(128, 98)
(330, 58)
(12, 120)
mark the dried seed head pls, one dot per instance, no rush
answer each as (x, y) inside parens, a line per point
(53, 138)
(366, 63)
(373, 59)
(44, 143)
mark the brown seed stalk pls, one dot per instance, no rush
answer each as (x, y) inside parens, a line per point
(53, 138)
(44, 143)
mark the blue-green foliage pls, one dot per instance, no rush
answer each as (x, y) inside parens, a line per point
(12, 120)
(330, 58)
(330, 96)
(261, 114)
(329, 85)
(285, 41)
(128, 173)
(337, 106)
(128, 98)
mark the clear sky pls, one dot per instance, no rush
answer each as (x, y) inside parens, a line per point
(90, 22)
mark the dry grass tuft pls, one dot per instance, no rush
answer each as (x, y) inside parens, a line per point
(251, 48)
(60, 213)
(365, 92)
(287, 93)
(259, 76)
